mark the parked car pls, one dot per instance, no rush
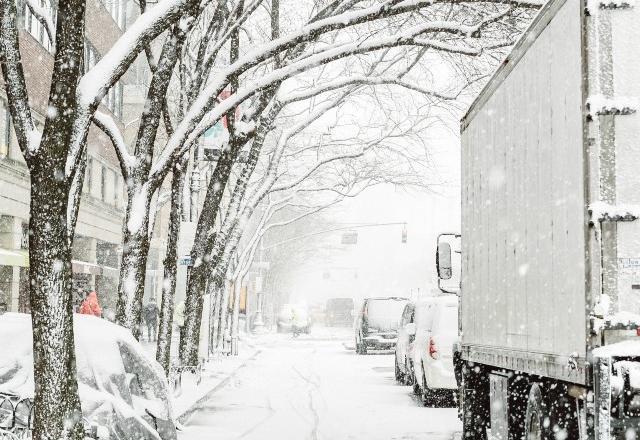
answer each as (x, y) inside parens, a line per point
(339, 312)
(406, 336)
(436, 331)
(377, 323)
(291, 315)
(123, 391)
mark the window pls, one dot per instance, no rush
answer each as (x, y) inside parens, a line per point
(24, 239)
(113, 100)
(87, 176)
(91, 56)
(116, 190)
(35, 28)
(116, 9)
(5, 126)
(96, 178)
(103, 184)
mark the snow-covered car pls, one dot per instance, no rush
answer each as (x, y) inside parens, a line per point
(376, 326)
(406, 336)
(123, 391)
(293, 315)
(436, 322)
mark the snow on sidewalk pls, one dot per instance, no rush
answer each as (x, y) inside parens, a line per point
(216, 372)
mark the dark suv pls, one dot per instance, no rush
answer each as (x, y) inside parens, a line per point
(376, 326)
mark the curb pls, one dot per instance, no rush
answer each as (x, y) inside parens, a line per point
(184, 416)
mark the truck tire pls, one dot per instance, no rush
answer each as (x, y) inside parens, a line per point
(563, 412)
(537, 422)
(475, 403)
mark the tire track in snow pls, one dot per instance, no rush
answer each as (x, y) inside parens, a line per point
(313, 384)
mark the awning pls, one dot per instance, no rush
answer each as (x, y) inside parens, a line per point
(14, 257)
(84, 267)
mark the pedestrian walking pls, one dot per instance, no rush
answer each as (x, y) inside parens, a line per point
(150, 315)
(90, 305)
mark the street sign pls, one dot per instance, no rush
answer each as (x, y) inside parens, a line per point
(186, 261)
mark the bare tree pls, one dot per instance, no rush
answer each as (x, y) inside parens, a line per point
(56, 162)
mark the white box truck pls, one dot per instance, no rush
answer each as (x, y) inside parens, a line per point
(550, 241)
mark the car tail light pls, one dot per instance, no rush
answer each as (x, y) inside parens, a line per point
(433, 350)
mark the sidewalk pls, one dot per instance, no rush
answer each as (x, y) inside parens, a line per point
(216, 372)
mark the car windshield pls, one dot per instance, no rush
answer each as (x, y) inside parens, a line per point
(385, 314)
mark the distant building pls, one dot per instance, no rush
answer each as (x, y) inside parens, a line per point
(97, 245)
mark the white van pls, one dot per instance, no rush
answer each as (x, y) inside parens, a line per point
(436, 327)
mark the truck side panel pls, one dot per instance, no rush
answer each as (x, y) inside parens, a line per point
(625, 35)
(523, 211)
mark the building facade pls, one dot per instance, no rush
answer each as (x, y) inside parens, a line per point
(97, 245)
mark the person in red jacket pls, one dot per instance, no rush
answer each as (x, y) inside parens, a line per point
(90, 305)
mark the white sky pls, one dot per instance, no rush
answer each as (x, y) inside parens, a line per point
(380, 264)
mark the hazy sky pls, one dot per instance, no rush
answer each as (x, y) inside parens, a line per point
(380, 264)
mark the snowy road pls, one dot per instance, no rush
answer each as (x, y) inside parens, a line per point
(314, 388)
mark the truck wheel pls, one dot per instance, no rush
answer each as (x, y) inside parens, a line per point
(475, 403)
(537, 422)
(563, 413)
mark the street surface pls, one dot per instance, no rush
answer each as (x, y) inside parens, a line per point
(315, 388)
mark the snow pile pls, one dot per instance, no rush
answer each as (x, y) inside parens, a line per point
(623, 348)
(119, 384)
(604, 211)
(603, 105)
(623, 318)
(603, 306)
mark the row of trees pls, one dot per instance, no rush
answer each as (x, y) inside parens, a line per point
(290, 67)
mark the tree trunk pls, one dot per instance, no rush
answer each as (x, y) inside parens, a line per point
(163, 351)
(57, 405)
(133, 267)
(235, 316)
(196, 289)
(222, 322)
(214, 319)
(206, 253)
